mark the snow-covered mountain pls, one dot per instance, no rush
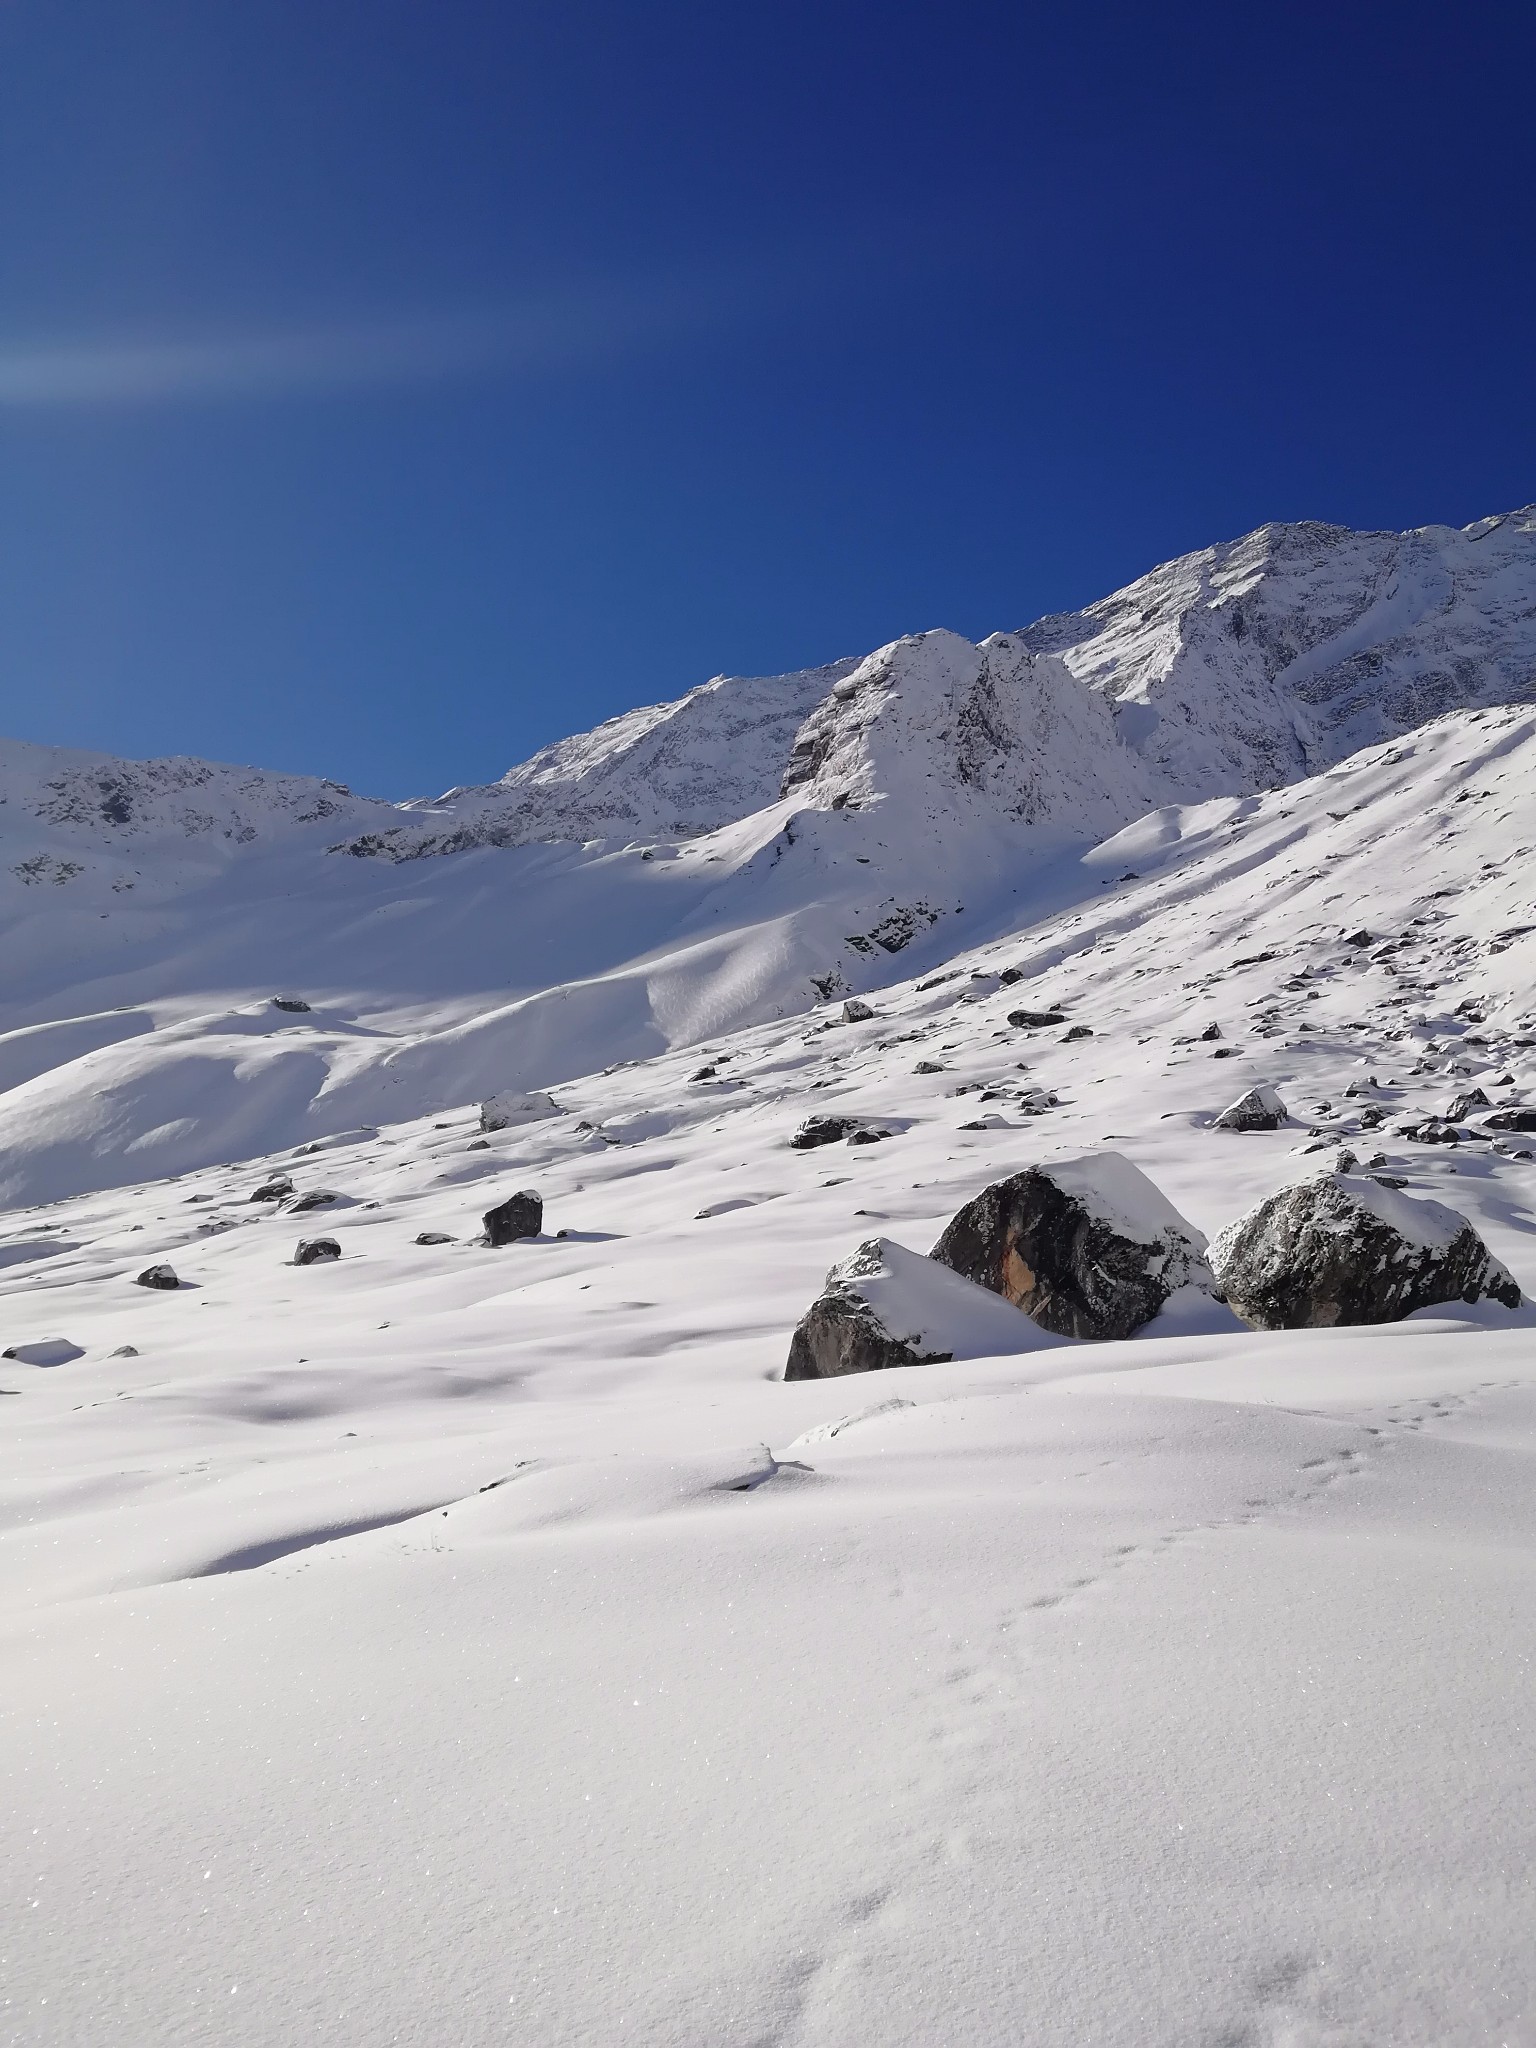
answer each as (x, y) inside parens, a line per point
(442, 1641)
(752, 850)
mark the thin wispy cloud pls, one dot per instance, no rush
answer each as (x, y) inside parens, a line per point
(548, 333)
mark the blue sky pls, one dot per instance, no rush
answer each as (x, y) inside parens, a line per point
(386, 389)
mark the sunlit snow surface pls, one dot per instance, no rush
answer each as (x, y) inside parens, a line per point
(448, 1645)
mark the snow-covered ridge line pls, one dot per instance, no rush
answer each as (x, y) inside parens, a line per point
(1237, 668)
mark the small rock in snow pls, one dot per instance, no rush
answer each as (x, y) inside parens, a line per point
(295, 1005)
(1261, 1109)
(1035, 1020)
(158, 1276)
(503, 1112)
(1211, 1032)
(276, 1190)
(435, 1237)
(856, 1012)
(824, 1130)
(313, 1251)
(315, 1198)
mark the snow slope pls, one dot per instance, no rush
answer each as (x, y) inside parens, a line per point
(456, 1644)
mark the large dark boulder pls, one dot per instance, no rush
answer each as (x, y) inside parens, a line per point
(520, 1215)
(887, 1306)
(1086, 1247)
(1341, 1249)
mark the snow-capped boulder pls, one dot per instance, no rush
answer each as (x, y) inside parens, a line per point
(1261, 1109)
(162, 1276)
(47, 1351)
(885, 1306)
(504, 1112)
(314, 1251)
(1460, 1107)
(1511, 1120)
(520, 1215)
(1341, 1249)
(1086, 1247)
(856, 1011)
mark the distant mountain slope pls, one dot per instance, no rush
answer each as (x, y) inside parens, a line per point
(757, 848)
(1253, 663)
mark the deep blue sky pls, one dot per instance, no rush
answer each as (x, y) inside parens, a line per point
(386, 388)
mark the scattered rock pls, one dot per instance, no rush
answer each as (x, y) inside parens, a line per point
(313, 1251)
(125, 1351)
(1261, 1109)
(503, 1112)
(1077, 1031)
(887, 1306)
(1227, 1052)
(856, 1012)
(929, 1067)
(315, 1198)
(1035, 1020)
(1370, 1118)
(1210, 1033)
(158, 1276)
(1360, 938)
(865, 1136)
(295, 1005)
(478, 1145)
(703, 1074)
(1010, 975)
(519, 1216)
(1086, 1247)
(276, 1190)
(1340, 1250)
(436, 1237)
